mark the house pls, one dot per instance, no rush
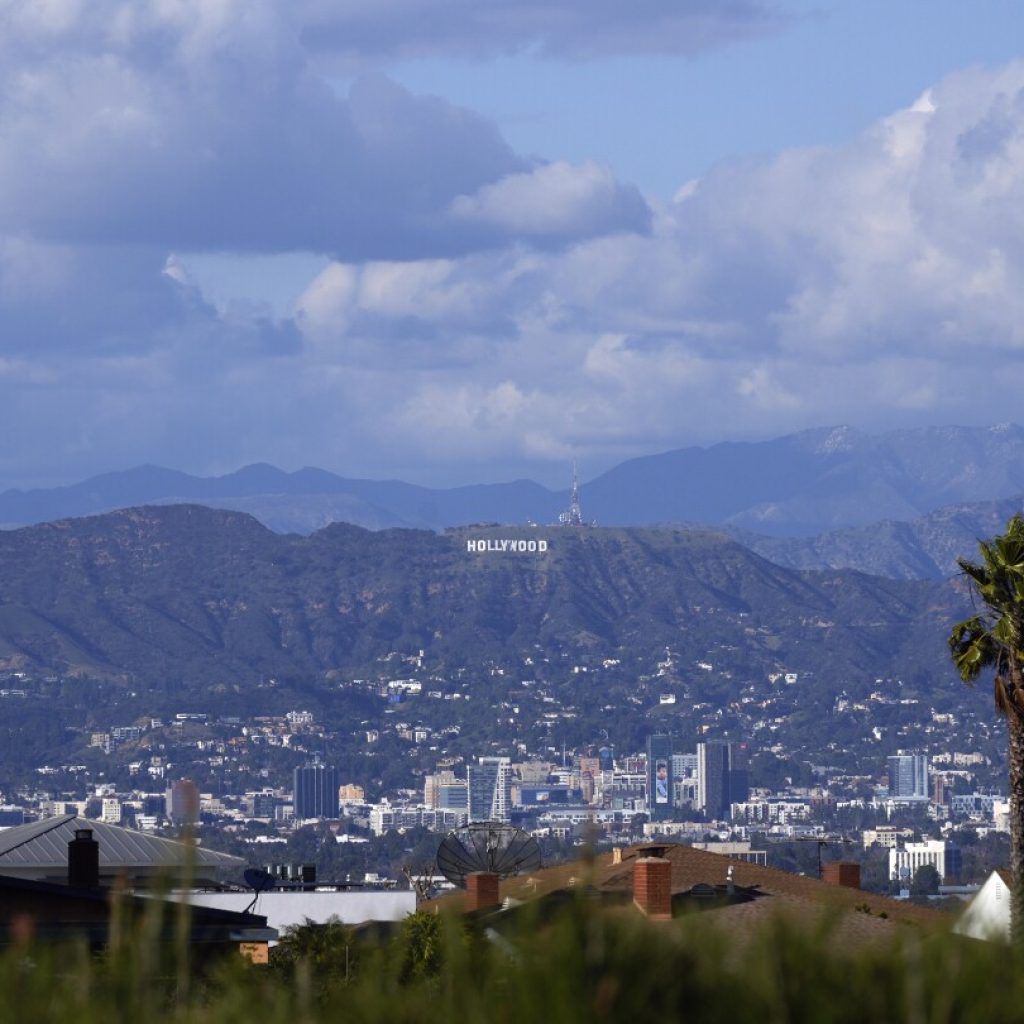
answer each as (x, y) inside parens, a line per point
(666, 882)
(39, 851)
(77, 907)
(47, 912)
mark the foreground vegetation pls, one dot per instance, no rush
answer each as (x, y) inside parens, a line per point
(583, 964)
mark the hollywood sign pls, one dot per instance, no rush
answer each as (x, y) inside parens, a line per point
(511, 546)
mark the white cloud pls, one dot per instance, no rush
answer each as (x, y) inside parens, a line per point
(877, 282)
(881, 281)
(202, 125)
(556, 200)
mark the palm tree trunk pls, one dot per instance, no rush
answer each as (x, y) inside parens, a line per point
(1015, 725)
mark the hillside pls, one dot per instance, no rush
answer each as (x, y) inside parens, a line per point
(923, 548)
(184, 596)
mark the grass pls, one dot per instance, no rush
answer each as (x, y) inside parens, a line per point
(587, 964)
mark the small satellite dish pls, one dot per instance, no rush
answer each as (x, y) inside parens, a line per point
(489, 846)
(259, 880)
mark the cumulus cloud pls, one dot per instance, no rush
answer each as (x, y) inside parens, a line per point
(880, 281)
(479, 307)
(131, 130)
(202, 125)
(557, 200)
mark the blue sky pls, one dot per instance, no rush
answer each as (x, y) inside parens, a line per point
(451, 240)
(825, 75)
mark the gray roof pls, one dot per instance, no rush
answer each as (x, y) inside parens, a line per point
(44, 845)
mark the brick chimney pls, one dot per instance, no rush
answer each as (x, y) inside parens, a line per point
(652, 885)
(482, 891)
(840, 872)
(84, 860)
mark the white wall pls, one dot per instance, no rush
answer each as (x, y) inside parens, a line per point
(283, 909)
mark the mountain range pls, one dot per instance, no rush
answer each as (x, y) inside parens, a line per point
(182, 598)
(901, 504)
(923, 548)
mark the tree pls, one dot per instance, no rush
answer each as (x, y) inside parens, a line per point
(994, 639)
(926, 881)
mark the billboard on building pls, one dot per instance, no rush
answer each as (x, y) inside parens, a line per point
(661, 781)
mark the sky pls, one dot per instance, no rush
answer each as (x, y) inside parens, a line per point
(470, 240)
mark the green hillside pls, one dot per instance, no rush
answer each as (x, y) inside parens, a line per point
(188, 596)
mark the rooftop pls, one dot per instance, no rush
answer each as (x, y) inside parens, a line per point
(40, 850)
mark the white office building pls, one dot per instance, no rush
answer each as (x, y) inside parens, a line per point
(943, 855)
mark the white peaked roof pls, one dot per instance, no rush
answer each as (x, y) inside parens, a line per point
(40, 849)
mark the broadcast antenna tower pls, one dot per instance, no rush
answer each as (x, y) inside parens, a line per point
(573, 516)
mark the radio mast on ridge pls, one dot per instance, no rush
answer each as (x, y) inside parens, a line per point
(573, 515)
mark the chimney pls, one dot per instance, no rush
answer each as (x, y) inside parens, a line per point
(652, 884)
(482, 890)
(844, 873)
(616, 854)
(84, 860)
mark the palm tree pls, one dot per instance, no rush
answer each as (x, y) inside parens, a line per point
(994, 640)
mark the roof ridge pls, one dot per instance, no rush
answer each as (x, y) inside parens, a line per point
(57, 822)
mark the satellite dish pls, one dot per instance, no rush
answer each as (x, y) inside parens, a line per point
(503, 850)
(259, 880)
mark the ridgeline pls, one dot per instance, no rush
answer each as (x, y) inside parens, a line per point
(181, 597)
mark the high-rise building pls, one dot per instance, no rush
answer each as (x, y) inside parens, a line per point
(315, 791)
(432, 786)
(739, 774)
(490, 783)
(183, 802)
(908, 776)
(452, 796)
(111, 811)
(262, 803)
(659, 776)
(723, 777)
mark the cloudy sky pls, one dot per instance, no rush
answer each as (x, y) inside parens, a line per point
(455, 240)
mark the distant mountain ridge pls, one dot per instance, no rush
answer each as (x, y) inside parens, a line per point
(926, 548)
(798, 486)
(299, 502)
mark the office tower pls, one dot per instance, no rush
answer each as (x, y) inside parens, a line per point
(452, 796)
(489, 783)
(432, 785)
(739, 774)
(723, 777)
(315, 791)
(182, 799)
(908, 776)
(659, 776)
(262, 804)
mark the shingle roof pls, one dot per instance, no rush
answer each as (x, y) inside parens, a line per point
(43, 845)
(863, 914)
(691, 866)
